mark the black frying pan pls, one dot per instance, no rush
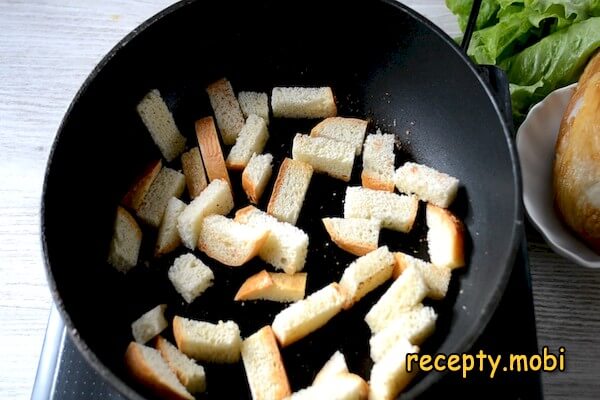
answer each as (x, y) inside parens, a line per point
(384, 62)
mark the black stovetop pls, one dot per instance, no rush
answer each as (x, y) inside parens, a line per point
(63, 374)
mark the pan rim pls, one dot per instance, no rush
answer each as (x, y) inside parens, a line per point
(471, 335)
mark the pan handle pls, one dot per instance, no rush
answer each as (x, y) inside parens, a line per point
(497, 81)
(495, 78)
(464, 45)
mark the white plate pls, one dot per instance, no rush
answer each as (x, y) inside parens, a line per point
(536, 139)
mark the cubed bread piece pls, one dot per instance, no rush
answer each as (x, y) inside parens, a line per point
(378, 162)
(336, 365)
(436, 278)
(301, 102)
(168, 235)
(169, 183)
(406, 292)
(251, 140)
(349, 130)
(216, 343)
(286, 246)
(325, 155)
(215, 199)
(190, 374)
(160, 123)
(150, 324)
(254, 103)
(193, 169)
(415, 325)
(427, 184)
(396, 212)
(289, 190)
(367, 273)
(256, 175)
(146, 366)
(212, 154)
(340, 387)
(389, 376)
(306, 316)
(273, 286)
(445, 238)
(126, 241)
(190, 276)
(227, 110)
(358, 236)
(135, 196)
(229, 242)
(264, 367)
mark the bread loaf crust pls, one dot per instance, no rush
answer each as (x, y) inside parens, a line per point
(577, 162)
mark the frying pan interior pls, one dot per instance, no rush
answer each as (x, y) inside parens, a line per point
(384, 63)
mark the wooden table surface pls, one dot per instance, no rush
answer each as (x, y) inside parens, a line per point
(47, 48)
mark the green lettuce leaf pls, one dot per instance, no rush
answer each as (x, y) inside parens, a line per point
(462, 9)
(576, 10)
(555, 61)
(517, 28)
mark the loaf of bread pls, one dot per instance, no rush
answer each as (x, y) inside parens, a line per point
(577, 161)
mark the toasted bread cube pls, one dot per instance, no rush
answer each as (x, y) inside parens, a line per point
(300, 102)
(325, 155)
(349, 130)
(190, 374)
(445, 237)
(216, 343)
(289, 190)
(427, 183)
(254, 103)
(273, 286)
(125, 243)
(378, 162)
(358, 236)
(150, 324)
(227, 110)
(256, 175)
(252, 139)
(190, 276)
(169, 183)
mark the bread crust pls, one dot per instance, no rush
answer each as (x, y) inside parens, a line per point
(286, 166)
(135, 196)
(143, 373)
(250, 189)
(214, 163)
(277, 375)
(255, 283)
(356, 248)
(457, 233)
(373, 182)
(577, 162)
